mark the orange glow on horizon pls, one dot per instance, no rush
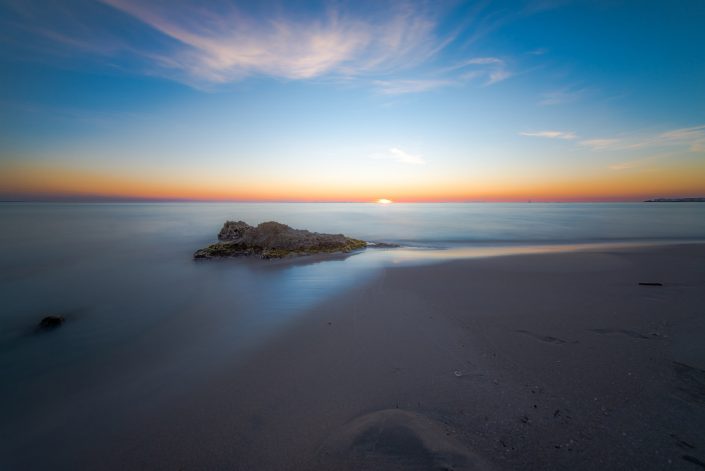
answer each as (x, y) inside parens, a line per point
(44, 182)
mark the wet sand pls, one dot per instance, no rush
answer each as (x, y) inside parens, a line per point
(550, 361)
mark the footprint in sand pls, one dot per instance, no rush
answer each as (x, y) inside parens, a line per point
(543, 338)
(628, 333)
(395, 439)
(694, 460)
(691, 383)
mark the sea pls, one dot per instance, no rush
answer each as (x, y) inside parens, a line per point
(145, 322)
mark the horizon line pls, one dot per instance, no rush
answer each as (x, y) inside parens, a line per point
(99, 200)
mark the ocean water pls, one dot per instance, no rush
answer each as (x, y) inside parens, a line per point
(146, 323)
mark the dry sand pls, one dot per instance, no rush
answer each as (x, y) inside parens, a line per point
(553, 361)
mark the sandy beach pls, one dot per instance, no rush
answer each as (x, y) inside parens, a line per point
(550, 361)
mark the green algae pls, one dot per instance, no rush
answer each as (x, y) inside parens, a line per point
(238, 249)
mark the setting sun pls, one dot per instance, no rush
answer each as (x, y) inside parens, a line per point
(384, 201)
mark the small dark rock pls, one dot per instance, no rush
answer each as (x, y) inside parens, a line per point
(51, 322)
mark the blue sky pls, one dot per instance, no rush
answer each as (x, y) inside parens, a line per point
(352, 100)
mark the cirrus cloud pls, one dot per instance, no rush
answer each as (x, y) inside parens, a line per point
(228, 45)
(400, 156)
(397, 47)
(567, 135)
(693, 138)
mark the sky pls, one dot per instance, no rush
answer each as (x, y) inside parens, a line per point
(543, 100)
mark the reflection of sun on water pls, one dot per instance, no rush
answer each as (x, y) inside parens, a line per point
(384, 201)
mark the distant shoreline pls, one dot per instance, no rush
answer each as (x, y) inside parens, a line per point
(675, 200)
(147, 201)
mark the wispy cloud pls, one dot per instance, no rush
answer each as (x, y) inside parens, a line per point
(485, 61)
(538, 52)
(498, 75)
(693, 138)
(228, 45)
(398, 87)
(599, 144)
(627, 165)
(397, 47)
(493, 69)
(561, 97)
(696, 134)
(567, 135)
(211, 43)
(637, 163)
(400, 156)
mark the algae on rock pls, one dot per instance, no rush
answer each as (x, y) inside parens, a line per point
(275, 240)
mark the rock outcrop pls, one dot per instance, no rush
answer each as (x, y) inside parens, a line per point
(274, 240)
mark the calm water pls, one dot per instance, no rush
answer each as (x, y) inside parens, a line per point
(145, 323)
